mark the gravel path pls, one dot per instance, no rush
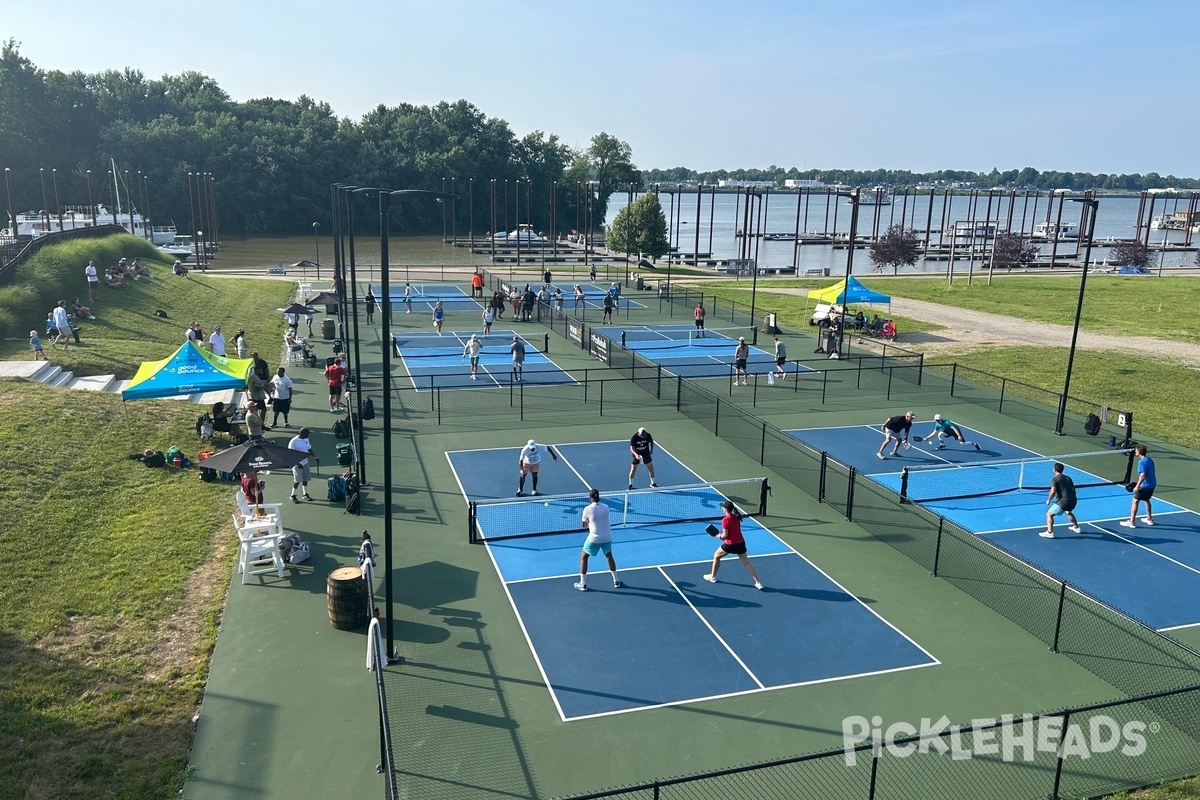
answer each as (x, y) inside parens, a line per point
(966, 330)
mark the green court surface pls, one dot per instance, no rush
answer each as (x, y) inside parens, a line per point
(290, 711)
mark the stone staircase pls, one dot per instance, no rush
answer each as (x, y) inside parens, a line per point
(56, 376)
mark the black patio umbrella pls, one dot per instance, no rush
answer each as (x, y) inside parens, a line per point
(296, 308)
(324, 299)
(253, 457)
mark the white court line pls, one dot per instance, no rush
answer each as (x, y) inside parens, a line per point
(1178, 627)
(1177, 510)
(457, 480)
(711, 629)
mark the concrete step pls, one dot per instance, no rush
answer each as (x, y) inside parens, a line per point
(208, 398)
(22, 369)
(116, 387)
(63, 381)
(48, 374)
(93, 383)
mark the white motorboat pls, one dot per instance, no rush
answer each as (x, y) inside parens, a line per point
(523, 235)
(1055, 230)
(34, 224)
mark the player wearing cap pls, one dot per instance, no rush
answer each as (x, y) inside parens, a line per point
(599, 540)
(529, 461)
(472, 348)
(517, 348)
(741, 354)
(641, 447)
(895, 429)
(946, 427)
(439, 317)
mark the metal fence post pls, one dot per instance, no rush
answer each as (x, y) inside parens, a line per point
(821, 482)
(1058, 765)
(824, 384)
(602, 398)
(850, 494)
(891, 374)
(762, 449)
(1003, 386)
(1062, 596)
(717, 418)
(937, 548)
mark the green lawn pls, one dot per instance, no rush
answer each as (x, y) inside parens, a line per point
(1122, 305)
(114, 579)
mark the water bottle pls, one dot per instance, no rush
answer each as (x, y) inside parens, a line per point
(177, 462)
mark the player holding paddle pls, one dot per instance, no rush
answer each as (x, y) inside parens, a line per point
(599, 540)
(471, 349)
(732, 542)
(529, 461)
(895, 429)
(1062, 500)
(641, 447)
(1142, 488)
(943, 428)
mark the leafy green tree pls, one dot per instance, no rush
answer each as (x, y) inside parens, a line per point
(1011, 250)
(640, 228)
(611, 162)
(898, 247)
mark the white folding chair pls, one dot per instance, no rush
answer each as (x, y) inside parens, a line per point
(258, 549)
(295, 353)
(272, 513)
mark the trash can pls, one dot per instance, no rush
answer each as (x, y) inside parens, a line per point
(641, 283)
(328, 328)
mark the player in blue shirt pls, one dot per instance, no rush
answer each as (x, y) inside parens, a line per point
(1143, 488)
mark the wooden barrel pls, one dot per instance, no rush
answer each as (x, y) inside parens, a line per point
(347, 599)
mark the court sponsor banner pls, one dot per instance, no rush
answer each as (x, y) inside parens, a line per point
(1011, 738)
(599, 347)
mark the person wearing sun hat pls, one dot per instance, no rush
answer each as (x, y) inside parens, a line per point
(529, 462)
(741, 354)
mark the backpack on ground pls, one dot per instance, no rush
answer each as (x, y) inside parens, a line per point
(368, 409)
(154, 458)
(345, 453)
(351, 482)
(341, 429)
(1091, 426)
(293, 549)
(336, 489)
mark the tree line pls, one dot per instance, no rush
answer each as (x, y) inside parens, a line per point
(273, 161)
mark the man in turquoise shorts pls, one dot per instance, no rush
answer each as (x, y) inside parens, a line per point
(942, 428)
(599, 540)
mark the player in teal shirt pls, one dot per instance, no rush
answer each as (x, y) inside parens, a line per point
(945, 427)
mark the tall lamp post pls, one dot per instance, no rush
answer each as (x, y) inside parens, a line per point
(1092, 204)
(854, 198)
(317, 246)
(385, 197)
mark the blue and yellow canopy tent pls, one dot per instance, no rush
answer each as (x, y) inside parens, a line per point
(848, 291)
(189, 370)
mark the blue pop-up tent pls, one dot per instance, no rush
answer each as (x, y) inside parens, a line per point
(848, 291)
(188, 371)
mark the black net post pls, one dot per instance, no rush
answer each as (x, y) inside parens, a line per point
(904, 490)
(1129, 466)
(679, 393)
(821, 485)
(762, 498)
(850, 494)
(471, 537)
(546, 345)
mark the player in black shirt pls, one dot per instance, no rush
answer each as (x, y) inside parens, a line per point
(895, 429)
(641, 447)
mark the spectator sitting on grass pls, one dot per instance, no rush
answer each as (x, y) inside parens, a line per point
(112, 278)
(81, 311)
(139, 271)
(179, 269)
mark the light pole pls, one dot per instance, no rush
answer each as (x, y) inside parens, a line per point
(1092, 204)
(384, 208)
(853, 196)
(317, 246)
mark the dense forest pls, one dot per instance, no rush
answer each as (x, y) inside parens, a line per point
(272, 161)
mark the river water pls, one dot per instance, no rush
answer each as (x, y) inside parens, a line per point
(721, 217)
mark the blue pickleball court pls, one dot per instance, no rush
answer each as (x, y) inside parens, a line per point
(1151, 573)
(432, 360)
(684, 351)
(665, 636)
(453, 298)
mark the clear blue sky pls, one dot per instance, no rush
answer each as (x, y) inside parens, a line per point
(1100, 86)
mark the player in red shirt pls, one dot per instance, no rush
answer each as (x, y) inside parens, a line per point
(335, 374)
(732, 542)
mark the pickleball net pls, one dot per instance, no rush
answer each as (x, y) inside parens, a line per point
(716, 338)
(958, 481)
(517, 518)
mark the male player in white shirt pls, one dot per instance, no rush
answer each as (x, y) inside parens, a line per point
(599, 540)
